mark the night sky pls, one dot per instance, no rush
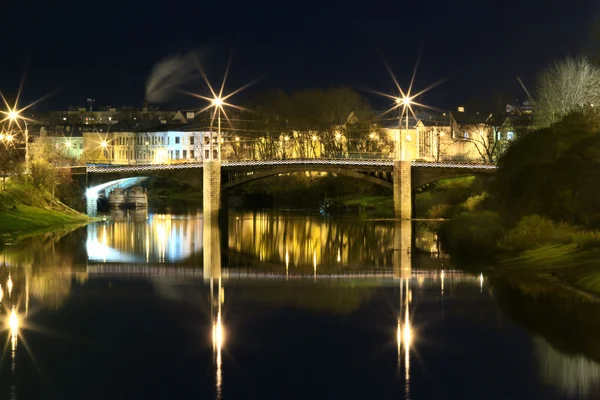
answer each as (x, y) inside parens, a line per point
(108, 50)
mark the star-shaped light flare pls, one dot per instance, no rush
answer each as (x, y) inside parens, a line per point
(406, 100)
(218, 101)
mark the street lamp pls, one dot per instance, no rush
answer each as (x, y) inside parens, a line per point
(14, 115)
(403, 103)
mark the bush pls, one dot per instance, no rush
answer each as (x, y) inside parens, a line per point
(587, 239)
(471, 235)
(473, 203)
(439, 211)
(535, 231)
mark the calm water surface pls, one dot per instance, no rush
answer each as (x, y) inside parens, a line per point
(163, 305)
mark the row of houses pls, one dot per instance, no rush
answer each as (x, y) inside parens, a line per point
(185, 138)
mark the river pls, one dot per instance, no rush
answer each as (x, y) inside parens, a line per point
(274, 305)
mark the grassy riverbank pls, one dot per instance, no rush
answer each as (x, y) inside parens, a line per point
(26, 210)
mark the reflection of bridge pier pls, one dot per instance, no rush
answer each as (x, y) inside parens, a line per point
(212, 249)
(403, 249)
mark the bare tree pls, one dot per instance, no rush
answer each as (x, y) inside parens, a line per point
(567, 85)
(484, 138)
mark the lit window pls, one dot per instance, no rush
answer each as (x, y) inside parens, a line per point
(510, 135)
(466, 135)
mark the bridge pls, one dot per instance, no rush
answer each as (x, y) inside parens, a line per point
(403, 177)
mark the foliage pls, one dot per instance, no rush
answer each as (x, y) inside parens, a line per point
(473, 203)
(9, 163)
(45, 176)
(474, 234)
(571, 84)
(439, 211)
(438, 200)
(553, 172)
(534, 231)
(329, 123)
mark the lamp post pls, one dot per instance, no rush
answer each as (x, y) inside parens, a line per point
(14, 115)
(217, 102)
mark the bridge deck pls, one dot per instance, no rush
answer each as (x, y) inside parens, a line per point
(377, 163)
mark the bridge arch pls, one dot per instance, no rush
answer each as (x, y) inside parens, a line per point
(265, 173)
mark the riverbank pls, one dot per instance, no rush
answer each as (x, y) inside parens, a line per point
(26, 211)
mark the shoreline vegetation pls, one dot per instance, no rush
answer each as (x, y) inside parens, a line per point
(539, 216)
(27, 211)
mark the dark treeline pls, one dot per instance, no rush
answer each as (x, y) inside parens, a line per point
(325, 121)
(554, 172)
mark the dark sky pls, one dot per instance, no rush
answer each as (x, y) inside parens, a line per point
(107, 50)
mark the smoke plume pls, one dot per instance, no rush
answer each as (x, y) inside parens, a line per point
(170, 74)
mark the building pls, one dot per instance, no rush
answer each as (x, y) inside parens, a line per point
(107, 115)
(67, 140)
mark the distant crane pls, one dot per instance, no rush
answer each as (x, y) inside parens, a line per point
(526, 91)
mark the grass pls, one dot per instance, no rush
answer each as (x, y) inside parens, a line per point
(570, 263)
(26, 211)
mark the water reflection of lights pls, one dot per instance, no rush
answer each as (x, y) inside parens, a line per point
(218, 335)
(1, 293)
(9, 285)
(481, 283)
(442, 282)
(404, 332)
(156, 237)
(287, 263)
(315, 264)
(575, 375)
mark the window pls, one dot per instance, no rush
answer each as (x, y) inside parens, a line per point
(510, 135)
(466, 135)
(206, 154)
(184, 154)
(177, 139)
(191, 153)
(191, 140)
(176, 154)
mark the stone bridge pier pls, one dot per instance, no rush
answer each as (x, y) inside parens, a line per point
(402, 183)
(211, 187)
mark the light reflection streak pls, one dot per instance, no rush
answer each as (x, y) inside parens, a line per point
(9, 285)
(218, 335)
(287, 263)
(404, 333)
(315, 264)
(481, 283)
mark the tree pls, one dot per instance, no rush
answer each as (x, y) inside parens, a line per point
(310, 123)
(9, 163)
(484, 138)
(568, 85)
